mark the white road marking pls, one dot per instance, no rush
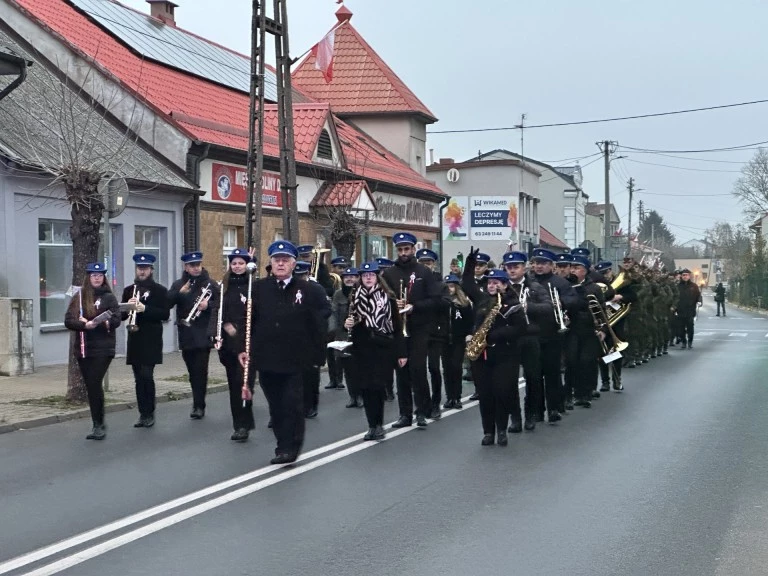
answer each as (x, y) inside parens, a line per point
(106, 546)
(738, 334)
(704, 333)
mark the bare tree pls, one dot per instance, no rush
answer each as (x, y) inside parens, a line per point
(752, 187)
(65, 132)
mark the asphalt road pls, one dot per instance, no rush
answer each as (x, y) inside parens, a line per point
(668, 477)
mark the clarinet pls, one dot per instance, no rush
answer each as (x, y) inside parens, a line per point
(246, 392)
(220, 321)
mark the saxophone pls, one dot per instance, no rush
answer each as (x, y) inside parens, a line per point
(479, 341)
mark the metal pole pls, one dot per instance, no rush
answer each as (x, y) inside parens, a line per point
(631, 187)
(107, 253)
(606, 211)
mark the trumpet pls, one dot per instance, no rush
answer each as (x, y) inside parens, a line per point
(558, 307)
(131, 326)
(194, 314)
(404, 296)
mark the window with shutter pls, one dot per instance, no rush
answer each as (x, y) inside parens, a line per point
(324, 146)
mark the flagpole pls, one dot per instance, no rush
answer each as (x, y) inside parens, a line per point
(332, 30)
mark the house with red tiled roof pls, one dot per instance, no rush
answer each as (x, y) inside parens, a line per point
(366, 92)
(191, 96)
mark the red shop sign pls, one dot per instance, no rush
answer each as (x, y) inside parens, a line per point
(230, 185)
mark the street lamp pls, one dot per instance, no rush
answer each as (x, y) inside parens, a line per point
(12, 65)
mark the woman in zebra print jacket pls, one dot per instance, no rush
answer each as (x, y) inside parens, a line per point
(377, 342)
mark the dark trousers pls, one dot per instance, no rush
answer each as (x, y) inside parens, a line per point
(551, 370)
(196, 360)
(242, 416)
(93, 371)
(435, 353)
(453, 361)
(720, 305)
(686, 328)
(582, 354)
(335, 367)
(389, 380)
(530, 355)
(620, 330)
(412, 385)
(285, 396)
(353, 384)
(144, 375)
(373, 401)
(311, 382)
(496, 385)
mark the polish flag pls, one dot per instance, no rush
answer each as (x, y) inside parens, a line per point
(323, 53)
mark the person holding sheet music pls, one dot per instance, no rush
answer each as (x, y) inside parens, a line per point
(94, 314)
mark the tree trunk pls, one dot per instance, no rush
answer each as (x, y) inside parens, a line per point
(87, 208)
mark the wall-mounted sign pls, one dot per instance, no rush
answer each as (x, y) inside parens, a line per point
(230, 184)
(480, 218)
(452, 175)
(400, 209)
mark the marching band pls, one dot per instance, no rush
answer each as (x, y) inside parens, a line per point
(563, 324)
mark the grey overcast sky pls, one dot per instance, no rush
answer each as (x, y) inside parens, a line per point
(483, 64)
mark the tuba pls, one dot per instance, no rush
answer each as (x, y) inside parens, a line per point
(617, 314)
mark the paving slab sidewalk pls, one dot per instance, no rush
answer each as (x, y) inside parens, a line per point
(38, 399)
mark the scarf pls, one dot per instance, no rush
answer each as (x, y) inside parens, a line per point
(373, 309)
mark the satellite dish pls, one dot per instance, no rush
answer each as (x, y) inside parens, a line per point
(115, 192)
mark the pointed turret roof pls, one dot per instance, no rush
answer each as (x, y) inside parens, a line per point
(362, 81)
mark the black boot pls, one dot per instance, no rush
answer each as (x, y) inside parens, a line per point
(239, 435)
(370, 434)
(501, 438)
(487, 440)
(379, 433)
(403, 422)
(99, 432)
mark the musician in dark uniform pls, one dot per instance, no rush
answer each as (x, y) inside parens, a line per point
(688, 301)
(377, 342)
(229, 340)
(145, 344)
(481, 267)
(582, 348)
(306, 254)
(389, 382)
(339, 314)
(438, 334)
(551, 340)
(94, 340)
(460, 323)
(563, 264)
(335, 370)
(287, 337)
(624, 295)
(595, 275)
(195, 340)
(539, 309)
(418, 293)
(496, 369)
(311, 375)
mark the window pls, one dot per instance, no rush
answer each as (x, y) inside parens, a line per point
(229, 244)
(324, 146)
(377, 247)
(147, 241)
(55, 264)
(55, 258)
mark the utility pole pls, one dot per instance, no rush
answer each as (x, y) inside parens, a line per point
(607, 147)
(278, 27)
(631, 188)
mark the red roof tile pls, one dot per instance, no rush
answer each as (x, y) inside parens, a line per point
(343, 194)
(213, 113)
(362, 81)
(546, 238)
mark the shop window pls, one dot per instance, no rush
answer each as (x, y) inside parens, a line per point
(146, 240)
(377, 247)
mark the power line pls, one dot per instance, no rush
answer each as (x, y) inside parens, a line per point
(685, 195)
(725, 149)
(694, 159)
(682, 167)
(601, 120)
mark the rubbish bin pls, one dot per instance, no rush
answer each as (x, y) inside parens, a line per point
(16, 344)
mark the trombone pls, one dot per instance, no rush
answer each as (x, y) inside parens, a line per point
(132, 326)
(558, 307)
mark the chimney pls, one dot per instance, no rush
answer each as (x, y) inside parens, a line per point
(163, 11)
(431, 156)
(447, 161)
